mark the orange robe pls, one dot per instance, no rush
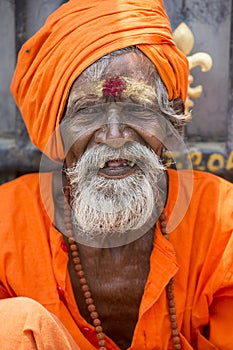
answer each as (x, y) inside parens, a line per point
(199, 254)
(27, 325)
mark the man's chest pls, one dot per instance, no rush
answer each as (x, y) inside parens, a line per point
(116, 283)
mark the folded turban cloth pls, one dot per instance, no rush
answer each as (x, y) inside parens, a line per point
(73, 37)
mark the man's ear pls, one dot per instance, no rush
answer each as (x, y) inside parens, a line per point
(65, 111)
(160, 151)
(178, 105)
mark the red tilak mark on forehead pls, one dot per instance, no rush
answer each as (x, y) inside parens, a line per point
(114, 87)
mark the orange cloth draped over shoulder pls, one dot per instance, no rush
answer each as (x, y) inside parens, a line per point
(75, 36)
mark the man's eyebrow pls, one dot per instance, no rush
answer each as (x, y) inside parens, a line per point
(87, 100)
(147, 101)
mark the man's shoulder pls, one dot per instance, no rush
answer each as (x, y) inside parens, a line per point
(210, 177)
(24, 220)
(199, 179)
(213, 185)
(25, 184)
(21, 200)
(202, 191)
(28, 180)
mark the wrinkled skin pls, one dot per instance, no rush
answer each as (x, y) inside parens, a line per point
(84, 93)
(116, 276)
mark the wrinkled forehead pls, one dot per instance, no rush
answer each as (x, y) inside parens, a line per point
(123, 75)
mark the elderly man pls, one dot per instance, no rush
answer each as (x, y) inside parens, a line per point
(113, 250)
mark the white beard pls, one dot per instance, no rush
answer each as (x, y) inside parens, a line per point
(104, 207)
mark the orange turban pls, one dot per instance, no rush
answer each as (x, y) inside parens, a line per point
(72, 38)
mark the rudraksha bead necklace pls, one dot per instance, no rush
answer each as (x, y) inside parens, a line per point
(87, 292)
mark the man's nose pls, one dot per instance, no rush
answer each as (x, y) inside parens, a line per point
(113, 132)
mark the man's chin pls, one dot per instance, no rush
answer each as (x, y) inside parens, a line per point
(113, 234)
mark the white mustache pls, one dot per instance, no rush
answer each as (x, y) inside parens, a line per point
(133, 152)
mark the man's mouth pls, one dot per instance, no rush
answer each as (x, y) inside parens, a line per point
(117, 168)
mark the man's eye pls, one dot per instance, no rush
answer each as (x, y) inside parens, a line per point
(87, 110)
(134, 108)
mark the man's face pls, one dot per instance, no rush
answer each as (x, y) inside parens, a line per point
(112, 152)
